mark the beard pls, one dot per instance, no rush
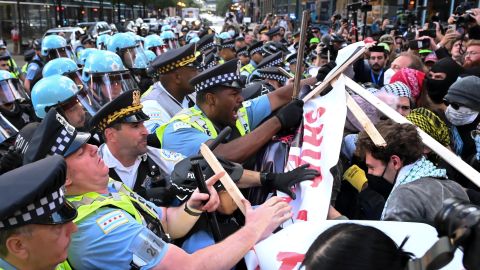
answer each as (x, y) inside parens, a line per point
(376, 67)
(470, 64)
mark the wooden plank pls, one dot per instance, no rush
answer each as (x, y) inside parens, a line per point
(227, 182)
(430, 142)
(365, 121)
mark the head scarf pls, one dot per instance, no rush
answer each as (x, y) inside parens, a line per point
(412, 78)
(429, 122)
(399, 89)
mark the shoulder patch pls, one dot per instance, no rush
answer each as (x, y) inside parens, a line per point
(112, 220)
(247, 103)
(179, 125)
(169, 155)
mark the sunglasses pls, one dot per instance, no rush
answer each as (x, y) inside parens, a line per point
(454, 105)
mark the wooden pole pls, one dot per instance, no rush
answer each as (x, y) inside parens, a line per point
(227, 182)
(300, 53)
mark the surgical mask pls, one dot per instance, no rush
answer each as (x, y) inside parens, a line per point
(231, 32)
(462, 116)
(388, 75)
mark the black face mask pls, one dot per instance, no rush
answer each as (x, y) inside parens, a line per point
(436, 89)
(380, 185)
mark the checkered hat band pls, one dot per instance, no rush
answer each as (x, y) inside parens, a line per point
(242, 53)
(273, 63)
(217, 80)
(62, 142)
(228, 45)
(255, 50)
(206, 46)
(292, 60)
(43, 207)
(275, 77)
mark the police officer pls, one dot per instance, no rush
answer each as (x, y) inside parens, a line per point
(12, 97)
(170, 94)
(133, 57)
(34, 72)
(242, 54)
(140, 167)
(219, 104)
(226, 49)
(12, 65)
(35, 218)
(255, 52)
(119, 229)
(62, 93)
(273, 60)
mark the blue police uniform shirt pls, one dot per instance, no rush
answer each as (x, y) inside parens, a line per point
(187, 140)
(33, 68)
(106, 240)
(4, 265)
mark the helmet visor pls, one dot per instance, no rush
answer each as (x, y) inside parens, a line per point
(158, 50)
(105, 87)
(134, 58)
(9, 92)
(62, 52)
(7, 130)
(172, 43)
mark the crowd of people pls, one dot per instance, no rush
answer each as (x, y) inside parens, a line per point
(100, 140)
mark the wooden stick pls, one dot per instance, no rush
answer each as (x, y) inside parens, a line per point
(430, 142)
(227, 182)
(300, 52)
(285, 73)
(365, 121)
(337, 72)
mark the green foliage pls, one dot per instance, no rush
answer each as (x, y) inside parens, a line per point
(223, 6)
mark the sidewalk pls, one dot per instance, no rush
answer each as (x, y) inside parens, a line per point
(18, 58)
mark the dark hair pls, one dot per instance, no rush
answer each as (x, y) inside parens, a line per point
(352, 246)
(402, 140)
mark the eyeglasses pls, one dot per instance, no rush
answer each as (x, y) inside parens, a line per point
(471, 53)
(474, 133)
(403, 107)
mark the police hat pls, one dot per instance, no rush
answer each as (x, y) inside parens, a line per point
(272, 73)
(271, 61)
(273, 47)
(183, 180)
(54, 136)
(34, 194)
(227, 74)
(255, 48)
(173, 59)
(125, 108)
(227, 43)
(273, 31)
(206, 42)
(24, 136)
(256, 89)
(242, 51)
(263, 29)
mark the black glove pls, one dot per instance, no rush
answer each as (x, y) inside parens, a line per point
(11, 160)
(283, 181)
(291, 114)
(324, 70)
